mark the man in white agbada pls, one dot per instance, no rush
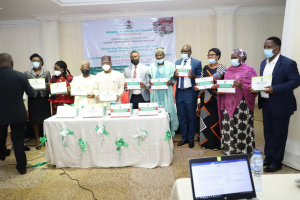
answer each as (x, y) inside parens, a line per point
(86, 79)
(109, 80)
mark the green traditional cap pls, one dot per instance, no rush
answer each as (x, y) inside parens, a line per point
(159, 50)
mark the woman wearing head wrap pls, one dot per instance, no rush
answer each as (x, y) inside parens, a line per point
(38, 106)
(209, 134)
(62, 74)
(86, 79)
(236, 110)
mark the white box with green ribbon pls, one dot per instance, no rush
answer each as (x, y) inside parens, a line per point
(108, 95)
(38, 83)
(183, 70)
(78, 90)
(121, 110)
(226, 86)
(133, 84)
(259, 83)
(58, 88)
(148, 109)
(66, 112)
(159, 84)
(204, 83)
(93, 111)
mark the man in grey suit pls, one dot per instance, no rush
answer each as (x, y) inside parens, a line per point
(137, 70)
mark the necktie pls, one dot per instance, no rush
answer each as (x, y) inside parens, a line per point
(182, 78)
(134, 73)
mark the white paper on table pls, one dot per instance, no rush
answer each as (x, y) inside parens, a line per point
(93, 111)
(146, 109)
(204, 83)
(133, 84)
(183, 70)
(37, 83)
(121, 110)
(159, 84)
(108, 95)
(66, 112)
(58, 88)
(79, 90)
(226, 86)
(259, 83)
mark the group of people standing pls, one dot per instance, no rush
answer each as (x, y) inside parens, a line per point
(226, 120)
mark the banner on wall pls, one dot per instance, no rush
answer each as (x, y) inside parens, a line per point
(119, 37)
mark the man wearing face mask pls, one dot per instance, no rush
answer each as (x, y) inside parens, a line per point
(109, 80)
(186, 96)
(278, 102)
(138, 70)
(86, 79)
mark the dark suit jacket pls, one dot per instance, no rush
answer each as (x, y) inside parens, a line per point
(12, 87)
(196, 69)
(285, 79)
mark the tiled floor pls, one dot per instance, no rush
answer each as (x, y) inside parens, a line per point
(47, 182)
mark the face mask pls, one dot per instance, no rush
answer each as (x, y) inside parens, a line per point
(57, 73)
(85, 71)
(135, 61)
(212, 61)
(235, 62)
(185, 56)
(269, 53)
(106, 67)
(160, 61)
(35, 64)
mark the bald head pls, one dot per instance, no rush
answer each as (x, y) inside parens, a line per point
(186, 52)
(187, 48)
(6, 60)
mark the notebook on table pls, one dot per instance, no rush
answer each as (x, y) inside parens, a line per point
(224, 177)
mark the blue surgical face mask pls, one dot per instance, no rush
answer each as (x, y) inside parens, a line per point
(235, 62)
(35, 64)
(160, 61)
(269, 53)
(185, 56)
(212, 61)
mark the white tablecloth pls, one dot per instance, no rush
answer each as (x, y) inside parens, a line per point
(151, 152)
(274, 187)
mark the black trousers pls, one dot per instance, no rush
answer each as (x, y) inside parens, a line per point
(136, 99)
(17, 137)
(275, 133)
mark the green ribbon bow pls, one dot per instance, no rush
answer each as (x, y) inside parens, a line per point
(43, 140)
(101, 130)
(168, 135)
(121, 143)
(82, 144)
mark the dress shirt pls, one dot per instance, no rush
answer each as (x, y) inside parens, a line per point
(187, 81)
(88, 81)
(138, 67)
(269, 71)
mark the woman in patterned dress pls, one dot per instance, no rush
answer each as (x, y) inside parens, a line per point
(236, 110)
(209, 137)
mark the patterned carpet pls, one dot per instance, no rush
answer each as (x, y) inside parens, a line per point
(47, 182)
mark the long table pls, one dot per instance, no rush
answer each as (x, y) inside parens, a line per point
(274, 187)
(100, 150)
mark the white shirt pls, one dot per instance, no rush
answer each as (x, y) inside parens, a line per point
(89, 81)
(187, 81)
(138, 67)
(269, 71)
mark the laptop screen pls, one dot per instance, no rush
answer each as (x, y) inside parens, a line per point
(213, 179)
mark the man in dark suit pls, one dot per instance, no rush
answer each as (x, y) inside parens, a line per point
(12, 109)
(186, 96)
(278, 102)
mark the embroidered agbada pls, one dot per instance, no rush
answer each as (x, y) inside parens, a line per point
(168, 96)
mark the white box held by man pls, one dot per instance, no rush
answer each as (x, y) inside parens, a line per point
(259, 83)
(108, 95)
(159, 84)
(79, 90)
(183, 70)
(133, 83)
(148, 109)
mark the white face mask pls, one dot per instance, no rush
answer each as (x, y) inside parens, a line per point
(57, 73)
(106, 67)
(35, 64)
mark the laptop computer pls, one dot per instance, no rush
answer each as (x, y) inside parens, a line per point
(224, 177)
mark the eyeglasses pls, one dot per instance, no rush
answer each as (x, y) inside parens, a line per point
(35, 61)
(56, 69)
(211, 55)
(185, 52)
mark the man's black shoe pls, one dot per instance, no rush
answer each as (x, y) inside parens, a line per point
(271, 168)
(26, 148)
(191, 144)
(182, 142)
